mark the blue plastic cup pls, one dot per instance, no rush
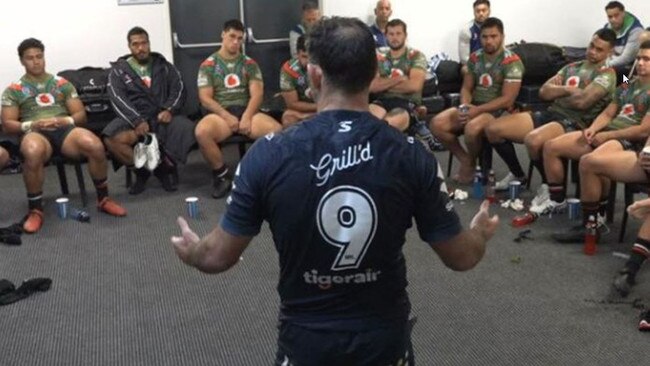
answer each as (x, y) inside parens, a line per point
(62, 207)
(514, 188)
(192, 207)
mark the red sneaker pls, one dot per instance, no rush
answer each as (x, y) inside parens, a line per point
(111, 207)
(33, 221)
(525, 219)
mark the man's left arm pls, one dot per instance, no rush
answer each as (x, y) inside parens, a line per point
(77, 111)
(512, 76)
(583, 99)
(176, 91)
(629, 51)
(639, 132)
(413, 84)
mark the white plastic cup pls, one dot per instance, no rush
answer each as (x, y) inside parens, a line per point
(192, 207)
(62, 207)
(514, 189)
(574, 208)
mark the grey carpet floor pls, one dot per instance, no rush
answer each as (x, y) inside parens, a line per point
(121, 297)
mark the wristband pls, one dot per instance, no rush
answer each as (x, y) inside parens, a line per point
(26, 126)
(69, 119)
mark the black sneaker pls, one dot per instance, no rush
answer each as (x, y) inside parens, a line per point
(166, 178)
(141, 177)
(575, 234)
(623, 282)
(644, 321)
(221, 187)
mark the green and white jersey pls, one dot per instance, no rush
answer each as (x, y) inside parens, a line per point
(580, 75)
(390, 67)
(143, 71)
(489, 76)
(294, 77)
(229, 78)
(38, 99)
(633, 100)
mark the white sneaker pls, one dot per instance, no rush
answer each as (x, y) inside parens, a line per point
(548, 206)
(139, 155)
(153, 153)
(504, 184)
(542, 195)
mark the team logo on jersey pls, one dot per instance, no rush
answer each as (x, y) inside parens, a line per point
(396, 73)
(308, 93)
(147, 81)
(301, 80)
(486, 80)
(231, 81)
(44, 99)
(573, 81)
(627, 110)
(27, 91)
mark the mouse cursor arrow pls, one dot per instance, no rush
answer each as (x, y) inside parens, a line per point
(626, 80)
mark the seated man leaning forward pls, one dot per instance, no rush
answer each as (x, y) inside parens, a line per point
(489, 88)
(579, 91)
(610, 147)
(399, 80)
(294, 85)
(45, 109)
(231, 90)
(147, 93)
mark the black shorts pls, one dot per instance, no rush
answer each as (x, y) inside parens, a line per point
(383, 346)
(392, 103)
(56, 137)
(236, 110)
(631, 145)
(541, 118)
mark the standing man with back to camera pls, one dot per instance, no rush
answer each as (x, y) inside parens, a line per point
(342, 270)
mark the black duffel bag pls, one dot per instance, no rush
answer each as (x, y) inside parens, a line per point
(541, 60)
(449, 76)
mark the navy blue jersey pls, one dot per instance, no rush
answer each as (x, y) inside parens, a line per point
(339, 192)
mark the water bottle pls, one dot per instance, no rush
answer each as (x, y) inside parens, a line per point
(477, 186)
(79, 215)
(591, 236)
(490, 189)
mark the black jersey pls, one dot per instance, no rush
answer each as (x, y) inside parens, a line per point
(339, 192)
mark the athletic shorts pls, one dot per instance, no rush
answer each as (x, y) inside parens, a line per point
(543, 117)
(56, 137)
(392, 103)
(299, 346)
(628, 145)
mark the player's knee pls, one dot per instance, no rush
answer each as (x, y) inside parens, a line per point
(493, 132)
(589, 163)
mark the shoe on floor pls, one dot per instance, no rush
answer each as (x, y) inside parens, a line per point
(644, 321)
(542, 195)
(221, 187)
(623, 282)
(548, 207)
(153, 153)
(139, 155)
(33, 221)
(141, 177)
(504, 184)
(107, 205)
(165, 176)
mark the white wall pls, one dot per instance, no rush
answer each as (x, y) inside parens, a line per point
(77, 33)
(433, 24)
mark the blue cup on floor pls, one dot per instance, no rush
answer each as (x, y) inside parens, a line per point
(514, 188)
(574, 208)
(192, 207)
(62, 207)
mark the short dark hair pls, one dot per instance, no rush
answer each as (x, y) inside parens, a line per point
(136, 31)
(396, 23)
(607, 35)
(481, 2)
(614, 5)
(345, 50)
(300, 44)
(235, 24)
(645, 45)
(309, 5)
(29, 43)
(491, 23)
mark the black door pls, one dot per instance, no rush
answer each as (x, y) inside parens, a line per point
(196, 33)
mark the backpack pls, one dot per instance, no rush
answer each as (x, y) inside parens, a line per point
(541, 60)
(92, 86)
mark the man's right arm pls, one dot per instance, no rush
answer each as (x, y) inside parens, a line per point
(293, 102)
(121, 103)
(467, 89)
(10, 120)
(380, 84)
(206, 98)
(553, 88)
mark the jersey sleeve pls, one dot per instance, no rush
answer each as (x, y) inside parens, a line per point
(253, 70)
(68, 90)
(287, 78)
(607, 80)
(245, 208)
(419, 61)
(513, 69)
(9, 98)
(618, 96)
(206, 77)
(471, 63)
(435, 216)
